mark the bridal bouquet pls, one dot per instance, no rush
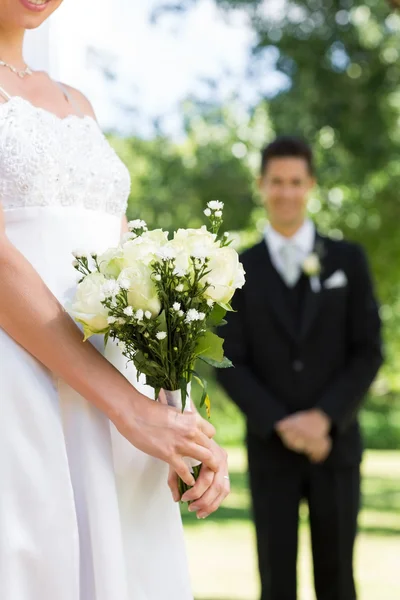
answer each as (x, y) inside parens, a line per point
(160, 299)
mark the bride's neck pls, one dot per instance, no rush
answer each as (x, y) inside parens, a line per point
(11, 47)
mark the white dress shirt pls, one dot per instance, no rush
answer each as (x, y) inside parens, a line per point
(303, 240)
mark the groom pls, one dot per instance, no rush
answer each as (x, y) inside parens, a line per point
(305, 343)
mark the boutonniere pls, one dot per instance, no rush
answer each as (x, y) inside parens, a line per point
(312, 268)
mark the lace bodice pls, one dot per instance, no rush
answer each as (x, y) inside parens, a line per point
(46, 160)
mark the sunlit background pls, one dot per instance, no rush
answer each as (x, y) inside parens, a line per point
(189, 96)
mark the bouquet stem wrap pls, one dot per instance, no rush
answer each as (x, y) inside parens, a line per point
(174, 398)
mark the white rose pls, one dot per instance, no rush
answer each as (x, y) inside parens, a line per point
(191, 239)
(312, 265)
(142, 292)
(226, 275)
(111, 262)
(87, 307)
(144, 248)
(192, 242)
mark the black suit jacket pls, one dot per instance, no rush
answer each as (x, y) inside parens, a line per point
(328, 360)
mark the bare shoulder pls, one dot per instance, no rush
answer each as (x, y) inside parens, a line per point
(81, 100)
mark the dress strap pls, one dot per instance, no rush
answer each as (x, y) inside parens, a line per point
(70, 99)
(5, 94)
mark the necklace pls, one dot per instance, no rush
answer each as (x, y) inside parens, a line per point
(21, 73)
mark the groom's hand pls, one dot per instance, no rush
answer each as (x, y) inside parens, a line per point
(307, 424)
(319, 450)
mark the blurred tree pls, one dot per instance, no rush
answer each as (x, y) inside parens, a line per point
(172, 181)
(340, 60)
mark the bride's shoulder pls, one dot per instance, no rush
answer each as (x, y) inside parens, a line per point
(81, 101)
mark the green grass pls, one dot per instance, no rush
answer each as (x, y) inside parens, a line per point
(222, 555)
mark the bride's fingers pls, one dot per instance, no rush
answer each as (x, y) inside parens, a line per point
(212, 499)
(205, 427)
(173, 484)
(204, 455)
(203, 482)
(213, 507)
(183, 471)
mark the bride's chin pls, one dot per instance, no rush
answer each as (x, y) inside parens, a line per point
(35, 14)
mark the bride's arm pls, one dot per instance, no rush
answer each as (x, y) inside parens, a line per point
(31, 315)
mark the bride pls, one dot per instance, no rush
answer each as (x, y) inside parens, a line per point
(85, 509)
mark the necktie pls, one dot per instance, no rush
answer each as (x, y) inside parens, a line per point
(291, 270)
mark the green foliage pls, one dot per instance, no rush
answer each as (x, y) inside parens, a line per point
(340, 61)
(173, 181)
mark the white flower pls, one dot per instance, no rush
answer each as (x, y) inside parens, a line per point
(226, 275)
(200, 251)
(79, 253)
(148, 314)
(120, 321)
(215, 205)
(226, 234)
(181, 313)
(312, 265)
(179, 288)
(207, 212)
(122, 346)
(179, 272)
(201, 316)
(128, 311)
(210, 302)
(110, 288)
(111, 320)
(176, 306)
(144, 248)
(161, 335)
(157, 277)
(194, 242)
(110, 262)
(142, 291)
(139, 315)
(218, 214)
(166, 253)
(124, 283)
(128, 236)
(137, 224)
(193, 315)
(87, 308)
(75, 263)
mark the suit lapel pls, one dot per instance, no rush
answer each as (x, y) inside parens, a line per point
(312, 300)
(268, 280)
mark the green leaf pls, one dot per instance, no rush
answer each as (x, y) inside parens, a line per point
(226, 306)
(183, 388)
(210, 345)
(87, 332)
(106, 336)
(216, 316)
(203, 383)
(225, 363)
(162, 321)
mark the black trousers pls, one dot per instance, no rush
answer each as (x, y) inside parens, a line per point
(333, 496)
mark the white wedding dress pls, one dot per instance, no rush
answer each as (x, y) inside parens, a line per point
(83, 514)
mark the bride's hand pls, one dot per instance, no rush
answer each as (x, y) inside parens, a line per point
(168, 434)
(210, 489)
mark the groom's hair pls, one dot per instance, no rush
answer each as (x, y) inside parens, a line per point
(287, 146)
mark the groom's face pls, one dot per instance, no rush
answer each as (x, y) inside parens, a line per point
(284, 187)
